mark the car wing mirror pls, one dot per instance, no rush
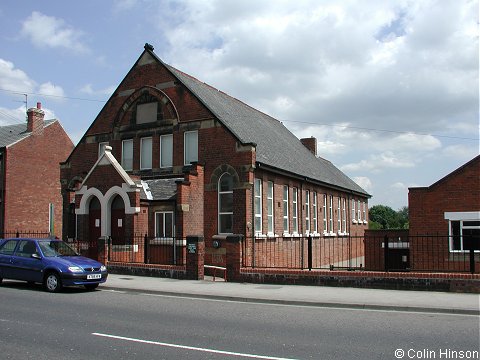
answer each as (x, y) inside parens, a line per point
(36, 256)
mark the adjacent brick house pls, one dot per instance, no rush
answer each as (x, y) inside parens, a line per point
(30, 194)
(170, 156)
(449, 208)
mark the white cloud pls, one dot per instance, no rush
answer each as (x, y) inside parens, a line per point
(51, 32)
(364, 182)
(14, 79)
(49, 89)
(88, 89)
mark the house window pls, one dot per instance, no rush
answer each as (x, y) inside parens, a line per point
(270, 207)
(464, 235)
(339, 212)
(166, 151)
(145, 153)
(101, 148)
(285, 209)
(258, 206)
(307, 211)
(164, 224)
(191, 147)
(314, 213)
(364, 211)
(359, 218)
(127, 154)
(147, 113)
(344, 216)
(325, 224)
(295, 210)
(225, 204)
(354, 214)
(330, 214)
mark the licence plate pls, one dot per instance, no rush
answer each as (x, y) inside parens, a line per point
(94, 276)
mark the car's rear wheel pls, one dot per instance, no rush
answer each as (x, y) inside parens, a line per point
(91, 287)
(52, 282)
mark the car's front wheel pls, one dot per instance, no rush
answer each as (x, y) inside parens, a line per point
(52, 282)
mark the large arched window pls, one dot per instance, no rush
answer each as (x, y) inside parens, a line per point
(225, 204)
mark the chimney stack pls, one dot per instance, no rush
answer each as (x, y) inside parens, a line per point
(311, 144)
(35, 119)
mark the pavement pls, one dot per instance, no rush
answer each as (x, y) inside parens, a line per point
(320, 296)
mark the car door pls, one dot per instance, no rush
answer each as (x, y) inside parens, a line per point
(6, 253)
(24, 265)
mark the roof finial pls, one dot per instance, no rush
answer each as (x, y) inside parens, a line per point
(148, 47)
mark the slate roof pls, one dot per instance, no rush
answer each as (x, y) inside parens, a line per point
(276, 146)
(10, 134)
(159, 189)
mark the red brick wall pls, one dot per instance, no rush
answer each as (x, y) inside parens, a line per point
(32, 180)
(457, 192)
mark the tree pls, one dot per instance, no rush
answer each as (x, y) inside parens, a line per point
(384, 217)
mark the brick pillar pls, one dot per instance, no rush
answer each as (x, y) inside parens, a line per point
(195, 257)
(102, 249)
(234, 257)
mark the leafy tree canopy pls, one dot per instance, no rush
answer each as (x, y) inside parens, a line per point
(384, 217)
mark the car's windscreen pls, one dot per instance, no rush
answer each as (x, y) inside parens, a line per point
(56, 248)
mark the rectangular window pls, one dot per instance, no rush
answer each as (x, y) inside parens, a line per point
(145, 153)
(101, 148)
(314, 213)
(258, 206)
(127, 154)
(330, 214)
(191, 147)
(270, 207)
(325, 224)
(359, 218)
(339, 216)
(147, 113)
(225, 204)
(464, 235)
(364, 211)
(344, 216)
(295, 210)
(285, 209)
(307, 211)
(354, 214)
(166, 151)
(164, 225)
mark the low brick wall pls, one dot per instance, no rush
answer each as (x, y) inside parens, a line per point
(163, 271)
(365, 279)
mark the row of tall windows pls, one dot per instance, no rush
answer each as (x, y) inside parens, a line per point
(166, 151)
(290, 210)
(359, 211)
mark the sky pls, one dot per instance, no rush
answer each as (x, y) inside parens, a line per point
(390, 89)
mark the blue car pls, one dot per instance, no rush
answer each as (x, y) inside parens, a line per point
(50, 262)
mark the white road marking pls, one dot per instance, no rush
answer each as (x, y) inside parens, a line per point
(213, 351)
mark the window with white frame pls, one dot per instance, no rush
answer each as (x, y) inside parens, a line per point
(339, 217)
(295, 210)
(101, 148)
(127, 154)
(258, 206)
(164, 224)
(464, 230)
(344, 216)
(190, 147)
(145, 153)
(325, 223)
(364, 211)
(225, 204)
(146, 113)
(285, 209)
(330, 213)
(166, 151)
(314, 213)
(270, 207)
(359, 218)
(354, 214)
(307, 211)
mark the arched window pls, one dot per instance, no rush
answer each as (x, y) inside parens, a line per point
(225, 204)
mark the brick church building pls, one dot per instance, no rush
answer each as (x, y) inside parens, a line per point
(170, 156)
